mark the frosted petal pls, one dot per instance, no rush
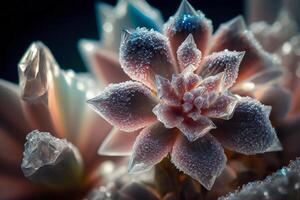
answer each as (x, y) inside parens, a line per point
(234, 36)
(188, 21)
(118, 143)
(144, 54)
(249, 131)
(196, 129)
(165, 91)
(224, 61)
(213, 83)
(179, 84)
(223, 107)
(188, 54)
(170, 116)
(127, 105)
(103, 63)
(203, 159)
(150, 147)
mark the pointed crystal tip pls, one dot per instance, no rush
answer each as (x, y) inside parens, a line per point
(34, 69)
(46, 155)
(185, 8)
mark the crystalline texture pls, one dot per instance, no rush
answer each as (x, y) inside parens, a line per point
(188, 54)
(144, 54)
(50, 161)
(282, 185)
(33, 71)
(127, 105)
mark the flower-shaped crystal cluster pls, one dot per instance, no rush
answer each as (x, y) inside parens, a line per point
(180, 100)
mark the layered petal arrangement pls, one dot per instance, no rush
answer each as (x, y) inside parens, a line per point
(198, 106)
(186, 96)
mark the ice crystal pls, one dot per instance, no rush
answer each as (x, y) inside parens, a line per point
(50, 161)
(282, 185)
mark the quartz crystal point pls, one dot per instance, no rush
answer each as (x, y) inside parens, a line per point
(50, 161)
(34, 71)
(282, 185)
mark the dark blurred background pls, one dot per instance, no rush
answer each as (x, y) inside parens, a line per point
(60, 24)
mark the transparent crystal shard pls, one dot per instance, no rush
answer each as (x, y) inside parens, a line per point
(144, 54)
(34, 70)
(51, 161)
(283, 184)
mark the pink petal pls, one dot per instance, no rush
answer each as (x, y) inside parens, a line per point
(12, 118)
(224, 61)
(188, 21)
(144, 54)
(179, 84)
(234, 36)
(118, 143)
(103, 63)
(127, 105)
(213, 83)
(150, 147)
(223, 107)
(170, 116)
(196, 129)
(165, 91)
(249, 131)
(203, 159)
(188, 54)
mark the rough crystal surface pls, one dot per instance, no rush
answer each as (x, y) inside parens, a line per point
(282, 185)
(41, 149)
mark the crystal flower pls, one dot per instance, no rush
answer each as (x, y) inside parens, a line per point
(181, 100)
(51, 100)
